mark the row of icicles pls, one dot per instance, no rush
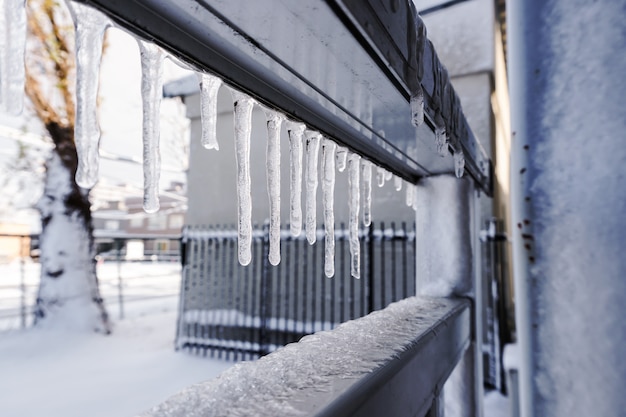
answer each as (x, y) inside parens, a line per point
(90, 26)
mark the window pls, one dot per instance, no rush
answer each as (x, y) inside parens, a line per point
(157, 222)
(176, 221)
(111, 225)
(136, 222)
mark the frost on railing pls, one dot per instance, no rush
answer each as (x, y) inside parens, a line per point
(305, 141)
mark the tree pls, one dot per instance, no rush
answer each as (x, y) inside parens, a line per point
(68, 294)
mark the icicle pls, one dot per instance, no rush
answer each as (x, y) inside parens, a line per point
(312, 152)
(397, 183)
(417, 107)
(296, 130)
(342, 157)
(380, 176)
(366, 169)
(354, 203)
(90, 26)
(151, 91)
(410, 190)
(388, 175)
(274, 122)
(209, 87)
(328, 190)
(12, 46)
(440, 135)
(459, 163)
(243, 129)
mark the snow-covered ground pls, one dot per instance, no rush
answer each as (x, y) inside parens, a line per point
(57, 374)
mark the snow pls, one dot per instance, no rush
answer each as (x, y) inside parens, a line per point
(320, 364)
(64, 374)
(209, 87)
(90, 26)
(151, 91)
(274, 122)
(243, 129)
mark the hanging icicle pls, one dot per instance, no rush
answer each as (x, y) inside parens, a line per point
(12, 47)
(328, 197)
(459, 163)
(397, 183)
(342, 157)
(312, 152)
(274, 122)
(366, 169)
(209, 87)
(243, 129)
(151, 91)
(90, 26)
(354, 204)
(295, 130)
(410, 190)
(380, 176)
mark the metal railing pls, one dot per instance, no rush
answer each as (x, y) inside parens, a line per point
(127, 285)
(241, 312)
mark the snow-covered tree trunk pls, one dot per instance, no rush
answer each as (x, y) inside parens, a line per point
(68, 293)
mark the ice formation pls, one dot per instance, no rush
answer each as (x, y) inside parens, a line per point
(243, 128)
(328, 190)
(312, 152)
(151, 91)
(209, 87)
(90, 26)
(342, 158)
(417, 107)
(12, 46)
(459, 163)
(295, 130)
(274, 122)
(397, 183)
(366, 168)
(354, 162)
(410, 196)
(380, 176)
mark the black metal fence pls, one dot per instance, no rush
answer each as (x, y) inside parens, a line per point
(241, 312)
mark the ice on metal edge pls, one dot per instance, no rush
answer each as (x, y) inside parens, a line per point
(243, 129)
(274, 123)
(90, 26)
(295, 130)
(12, 49)
(366, 184)
(410, 190)
(342, 157)
(380, 176)
(312, 140)
(354, 162)
(417, 107)
(459, 163)
(209, 87)
(397, 183)
(151, 91)
(328, 190)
